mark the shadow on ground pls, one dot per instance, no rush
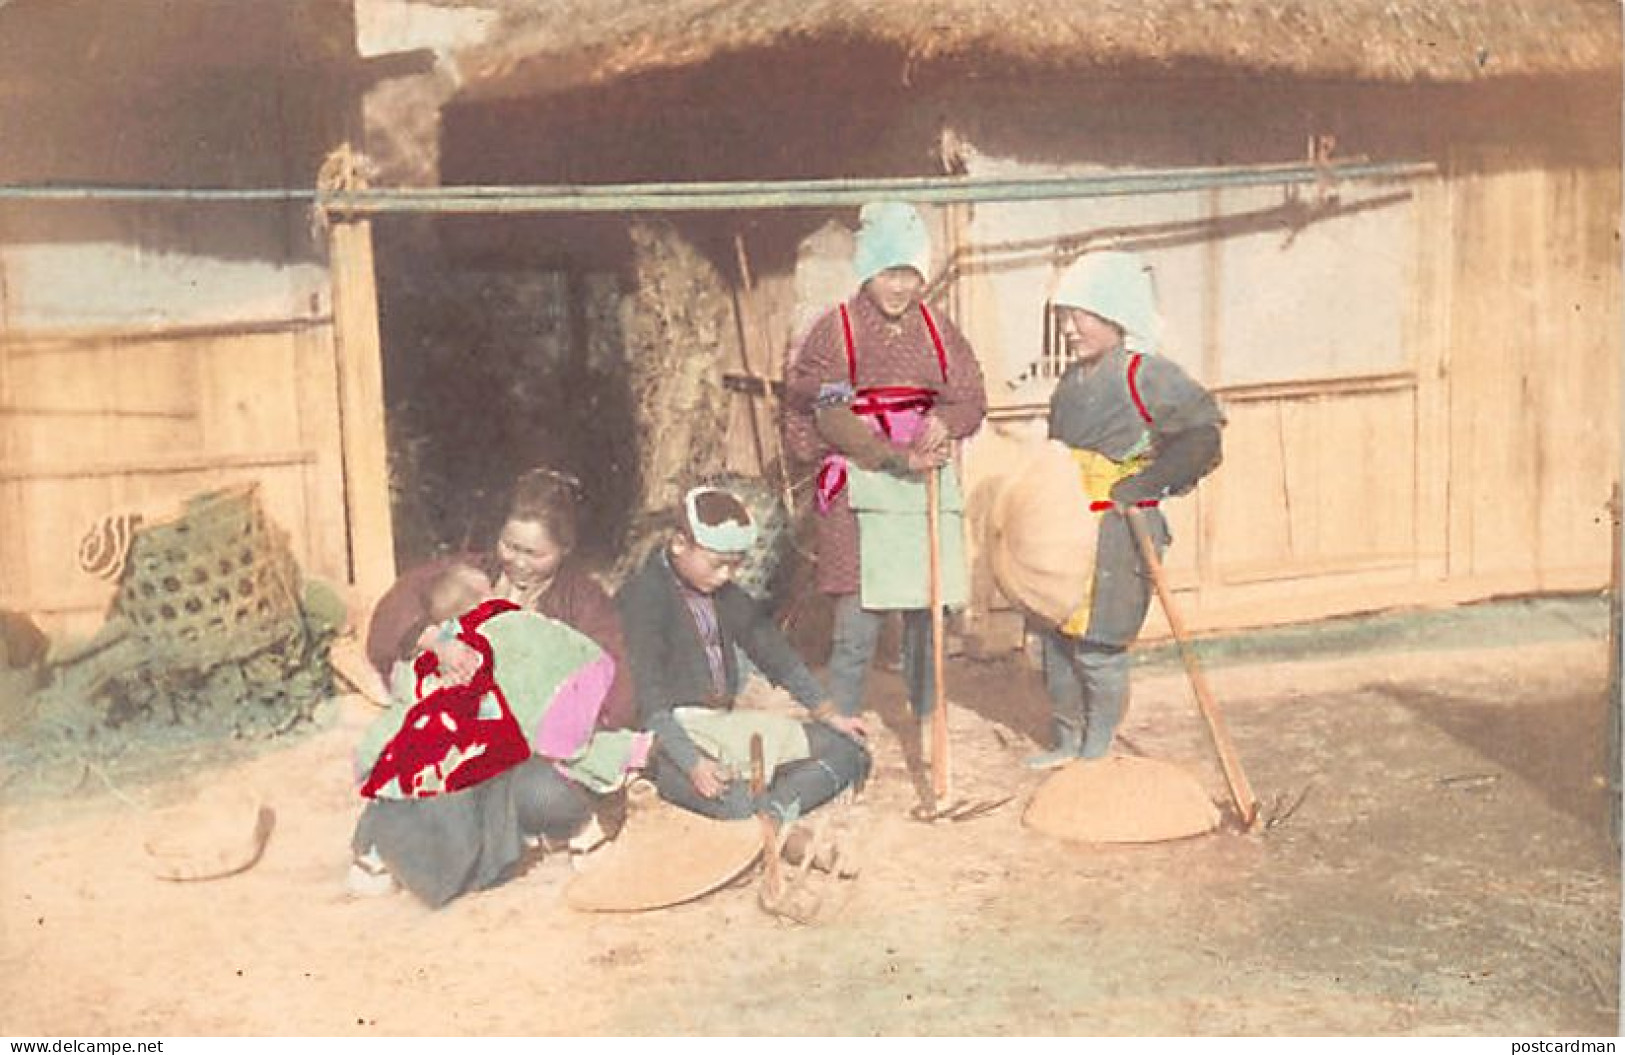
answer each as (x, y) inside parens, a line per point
(1557, 748)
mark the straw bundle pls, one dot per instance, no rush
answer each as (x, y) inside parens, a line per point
(679, 331)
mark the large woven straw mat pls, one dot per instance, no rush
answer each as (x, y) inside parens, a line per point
(1042, 534)
(665, 855)
(1120, 799)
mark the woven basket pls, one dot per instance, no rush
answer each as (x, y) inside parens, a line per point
(217, 583)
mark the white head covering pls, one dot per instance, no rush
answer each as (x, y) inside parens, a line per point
(1117, 287)
(892, 235)
(730, 536)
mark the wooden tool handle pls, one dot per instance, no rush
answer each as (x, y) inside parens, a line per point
(758, 768)
(1241, 793)
(770, 831)
(939, 709)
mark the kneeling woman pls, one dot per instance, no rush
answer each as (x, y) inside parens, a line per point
(443, 636)
(684, 617)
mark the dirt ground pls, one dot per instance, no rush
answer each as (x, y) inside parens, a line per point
(1447, 870)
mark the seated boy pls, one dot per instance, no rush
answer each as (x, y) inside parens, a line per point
(683, 618)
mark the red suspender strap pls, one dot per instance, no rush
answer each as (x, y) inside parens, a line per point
(851, 349)
(1134, 388)
(936, 339)
(1103, 505)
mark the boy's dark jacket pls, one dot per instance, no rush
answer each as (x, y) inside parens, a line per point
(669, 667)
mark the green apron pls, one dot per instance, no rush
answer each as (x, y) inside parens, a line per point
(894, 559)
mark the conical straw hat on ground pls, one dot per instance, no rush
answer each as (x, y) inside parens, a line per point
(1121, 800)
(664, 856)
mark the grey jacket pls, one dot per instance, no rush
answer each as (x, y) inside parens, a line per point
(1095, 408)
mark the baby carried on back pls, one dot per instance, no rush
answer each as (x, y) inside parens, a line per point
(490, 685)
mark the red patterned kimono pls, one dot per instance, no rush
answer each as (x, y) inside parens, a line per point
(886, 354)
(445, 744)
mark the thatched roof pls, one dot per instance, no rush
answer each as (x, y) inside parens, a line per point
(553, 45)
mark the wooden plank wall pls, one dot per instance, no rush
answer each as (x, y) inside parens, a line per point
(1534, 377)
(763, 315)
(93, 423)
(1324, 482)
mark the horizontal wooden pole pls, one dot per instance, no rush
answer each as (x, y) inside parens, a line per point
(39, 342)
(1262, 391)
(111, 413)
(635, 198)
(58, 605)
(752, 386)
(1316, 388)
(737, 195)
(158, 466)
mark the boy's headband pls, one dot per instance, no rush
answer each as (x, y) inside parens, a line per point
(729, 536)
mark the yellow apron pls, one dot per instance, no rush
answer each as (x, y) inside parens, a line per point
(1099, 474)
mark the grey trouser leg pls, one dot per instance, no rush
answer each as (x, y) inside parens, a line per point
(918, 672)
(1122, 587)
(855, 634)
(1087, 679)
(857, 630)
(837, 762)
(1103, 672)
(1065, 690)
(734, 803)
(1088, 688)
(547, 803)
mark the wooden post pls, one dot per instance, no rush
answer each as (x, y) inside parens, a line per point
(370, 530)
(1615, 725)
